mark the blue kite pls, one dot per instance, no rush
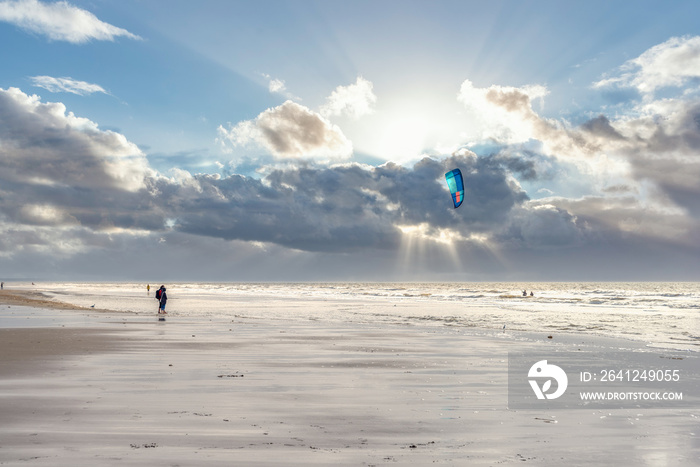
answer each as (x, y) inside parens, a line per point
(456, 185)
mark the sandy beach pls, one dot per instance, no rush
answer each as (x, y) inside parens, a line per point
(86, 387)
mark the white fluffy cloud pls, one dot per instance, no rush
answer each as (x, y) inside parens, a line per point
(503, 113)
(278, 86)
(672, 63)
(506, 115)
(43, 144)
(71, 85)
(290, 131)
(59, 21)
(353, 101)
(293, 131)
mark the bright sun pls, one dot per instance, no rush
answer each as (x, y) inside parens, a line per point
(403, 137)
(403, 131)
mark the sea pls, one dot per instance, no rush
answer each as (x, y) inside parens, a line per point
(658, 314)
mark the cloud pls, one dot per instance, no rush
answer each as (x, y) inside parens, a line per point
(61, 172)
(602, 127)
(627, 217)
(659, 129)
(290, 131)
(668, 156)
(640, 167)
(342, 208)
(652, 152)
(354, 101)
(62, 177)
(278, 86)
(68, 185)
(293, 131)
(42, 142)
(59, 21)
(542, 226)
(80, 88)
(503, 113)
(672, 63)
(506, 115)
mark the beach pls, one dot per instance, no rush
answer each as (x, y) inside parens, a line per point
(86, 386)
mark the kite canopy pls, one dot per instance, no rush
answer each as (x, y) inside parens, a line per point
(456, 185)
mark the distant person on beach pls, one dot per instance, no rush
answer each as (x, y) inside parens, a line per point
(148, 289)
(524, 293)
(2, 285)
(532, 294)
(163, 300)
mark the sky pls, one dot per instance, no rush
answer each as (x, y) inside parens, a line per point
(308, 140)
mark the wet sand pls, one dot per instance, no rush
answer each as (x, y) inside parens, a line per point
(82, 387)
(37, 300)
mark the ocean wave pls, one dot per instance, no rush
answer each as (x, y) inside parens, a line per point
(652, 313)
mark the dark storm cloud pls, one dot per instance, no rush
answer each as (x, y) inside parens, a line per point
(542, 227)
(341, 208)
(69, 205)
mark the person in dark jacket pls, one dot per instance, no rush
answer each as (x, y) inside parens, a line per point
(163, 300)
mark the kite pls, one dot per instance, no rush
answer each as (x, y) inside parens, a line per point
(456, 185)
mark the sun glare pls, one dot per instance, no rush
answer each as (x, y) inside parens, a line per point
(404, 130)
(422, 243)
(404, 137)
(437, 235)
